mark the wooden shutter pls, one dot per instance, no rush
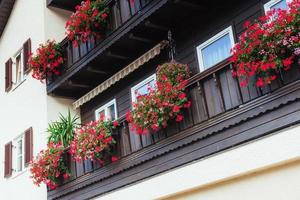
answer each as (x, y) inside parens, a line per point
(8, 75)
(26, 54)
(8, 159)
(28, 145)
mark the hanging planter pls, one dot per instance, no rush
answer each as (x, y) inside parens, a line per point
(89, 20)
(268, 46)
(154, 110)
(49, 166)
(47, 62)
(94, 141)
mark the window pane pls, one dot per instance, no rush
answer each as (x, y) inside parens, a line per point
(111, 112)
(18, 69)
(19, 150)
(19, 155)
(101, 113)
(216, 52)
(144, 89)
(19, 164)
(280, 5)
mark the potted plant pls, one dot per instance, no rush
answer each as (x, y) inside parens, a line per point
(165, 102)
(269, 46)
(47, 62)
(94, 141)
(89, 20)
(49, 166)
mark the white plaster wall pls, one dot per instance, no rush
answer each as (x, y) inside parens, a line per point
(277, 184)
(55, 22)
(27, 105)
(278, 150)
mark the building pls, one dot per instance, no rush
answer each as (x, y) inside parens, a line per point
(235, 142)
(26, 109)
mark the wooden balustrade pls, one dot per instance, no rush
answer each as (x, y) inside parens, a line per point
(121, 11)
(212, 93)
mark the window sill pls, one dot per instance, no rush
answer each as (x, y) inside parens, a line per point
(17, 174)
(16, 85)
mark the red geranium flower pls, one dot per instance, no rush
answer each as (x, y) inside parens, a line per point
(165, 102)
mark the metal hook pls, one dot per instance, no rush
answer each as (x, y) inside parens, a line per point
(172, 45)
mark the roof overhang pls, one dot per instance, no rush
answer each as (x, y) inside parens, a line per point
(6, 7)
(64, 4)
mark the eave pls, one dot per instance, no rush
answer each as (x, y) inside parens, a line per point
(63, 4)
(6, 7)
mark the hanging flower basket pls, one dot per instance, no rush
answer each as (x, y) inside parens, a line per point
(94, 141)
(49, 166)
(89, 20)
(154, 110)
(269, 46)
(47, 62)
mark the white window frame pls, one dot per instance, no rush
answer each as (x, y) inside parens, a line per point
(15, 155)
(208, 42)
(16, 82)
(105, 109)
(140, 84)
(267, 6)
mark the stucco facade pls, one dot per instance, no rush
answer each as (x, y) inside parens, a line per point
(27, 104)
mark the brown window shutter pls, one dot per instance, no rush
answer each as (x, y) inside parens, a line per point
(8, 75)
(8, 160)
(28, 145)
(26, 54)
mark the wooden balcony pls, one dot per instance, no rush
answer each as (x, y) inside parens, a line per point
(215, 122)
(91, 63)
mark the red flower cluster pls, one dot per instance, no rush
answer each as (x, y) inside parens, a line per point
(93, 141)
(47, 61)
(49, 166)
(268, 46)
(154, 110)
(89, 19)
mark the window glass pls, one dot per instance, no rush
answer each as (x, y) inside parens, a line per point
(216, 51)
(101, 113)
(280, 5)
(19, 155)
(18, 69)
(143, 87)
(111, 112)
(108, 111)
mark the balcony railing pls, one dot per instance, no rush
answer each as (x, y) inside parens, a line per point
(216, 96)
(121, 12)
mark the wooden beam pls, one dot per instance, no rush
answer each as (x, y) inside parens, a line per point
(156, 26)
(80, 85)
(141, 39)
(97, 71)
(117, 56)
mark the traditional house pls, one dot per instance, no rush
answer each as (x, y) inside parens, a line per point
(234, 142)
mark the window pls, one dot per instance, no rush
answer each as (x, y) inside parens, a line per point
(18, 69)
(276, 4)
(216, 49)
(109, 111)
(18, 153)
(143, 87)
